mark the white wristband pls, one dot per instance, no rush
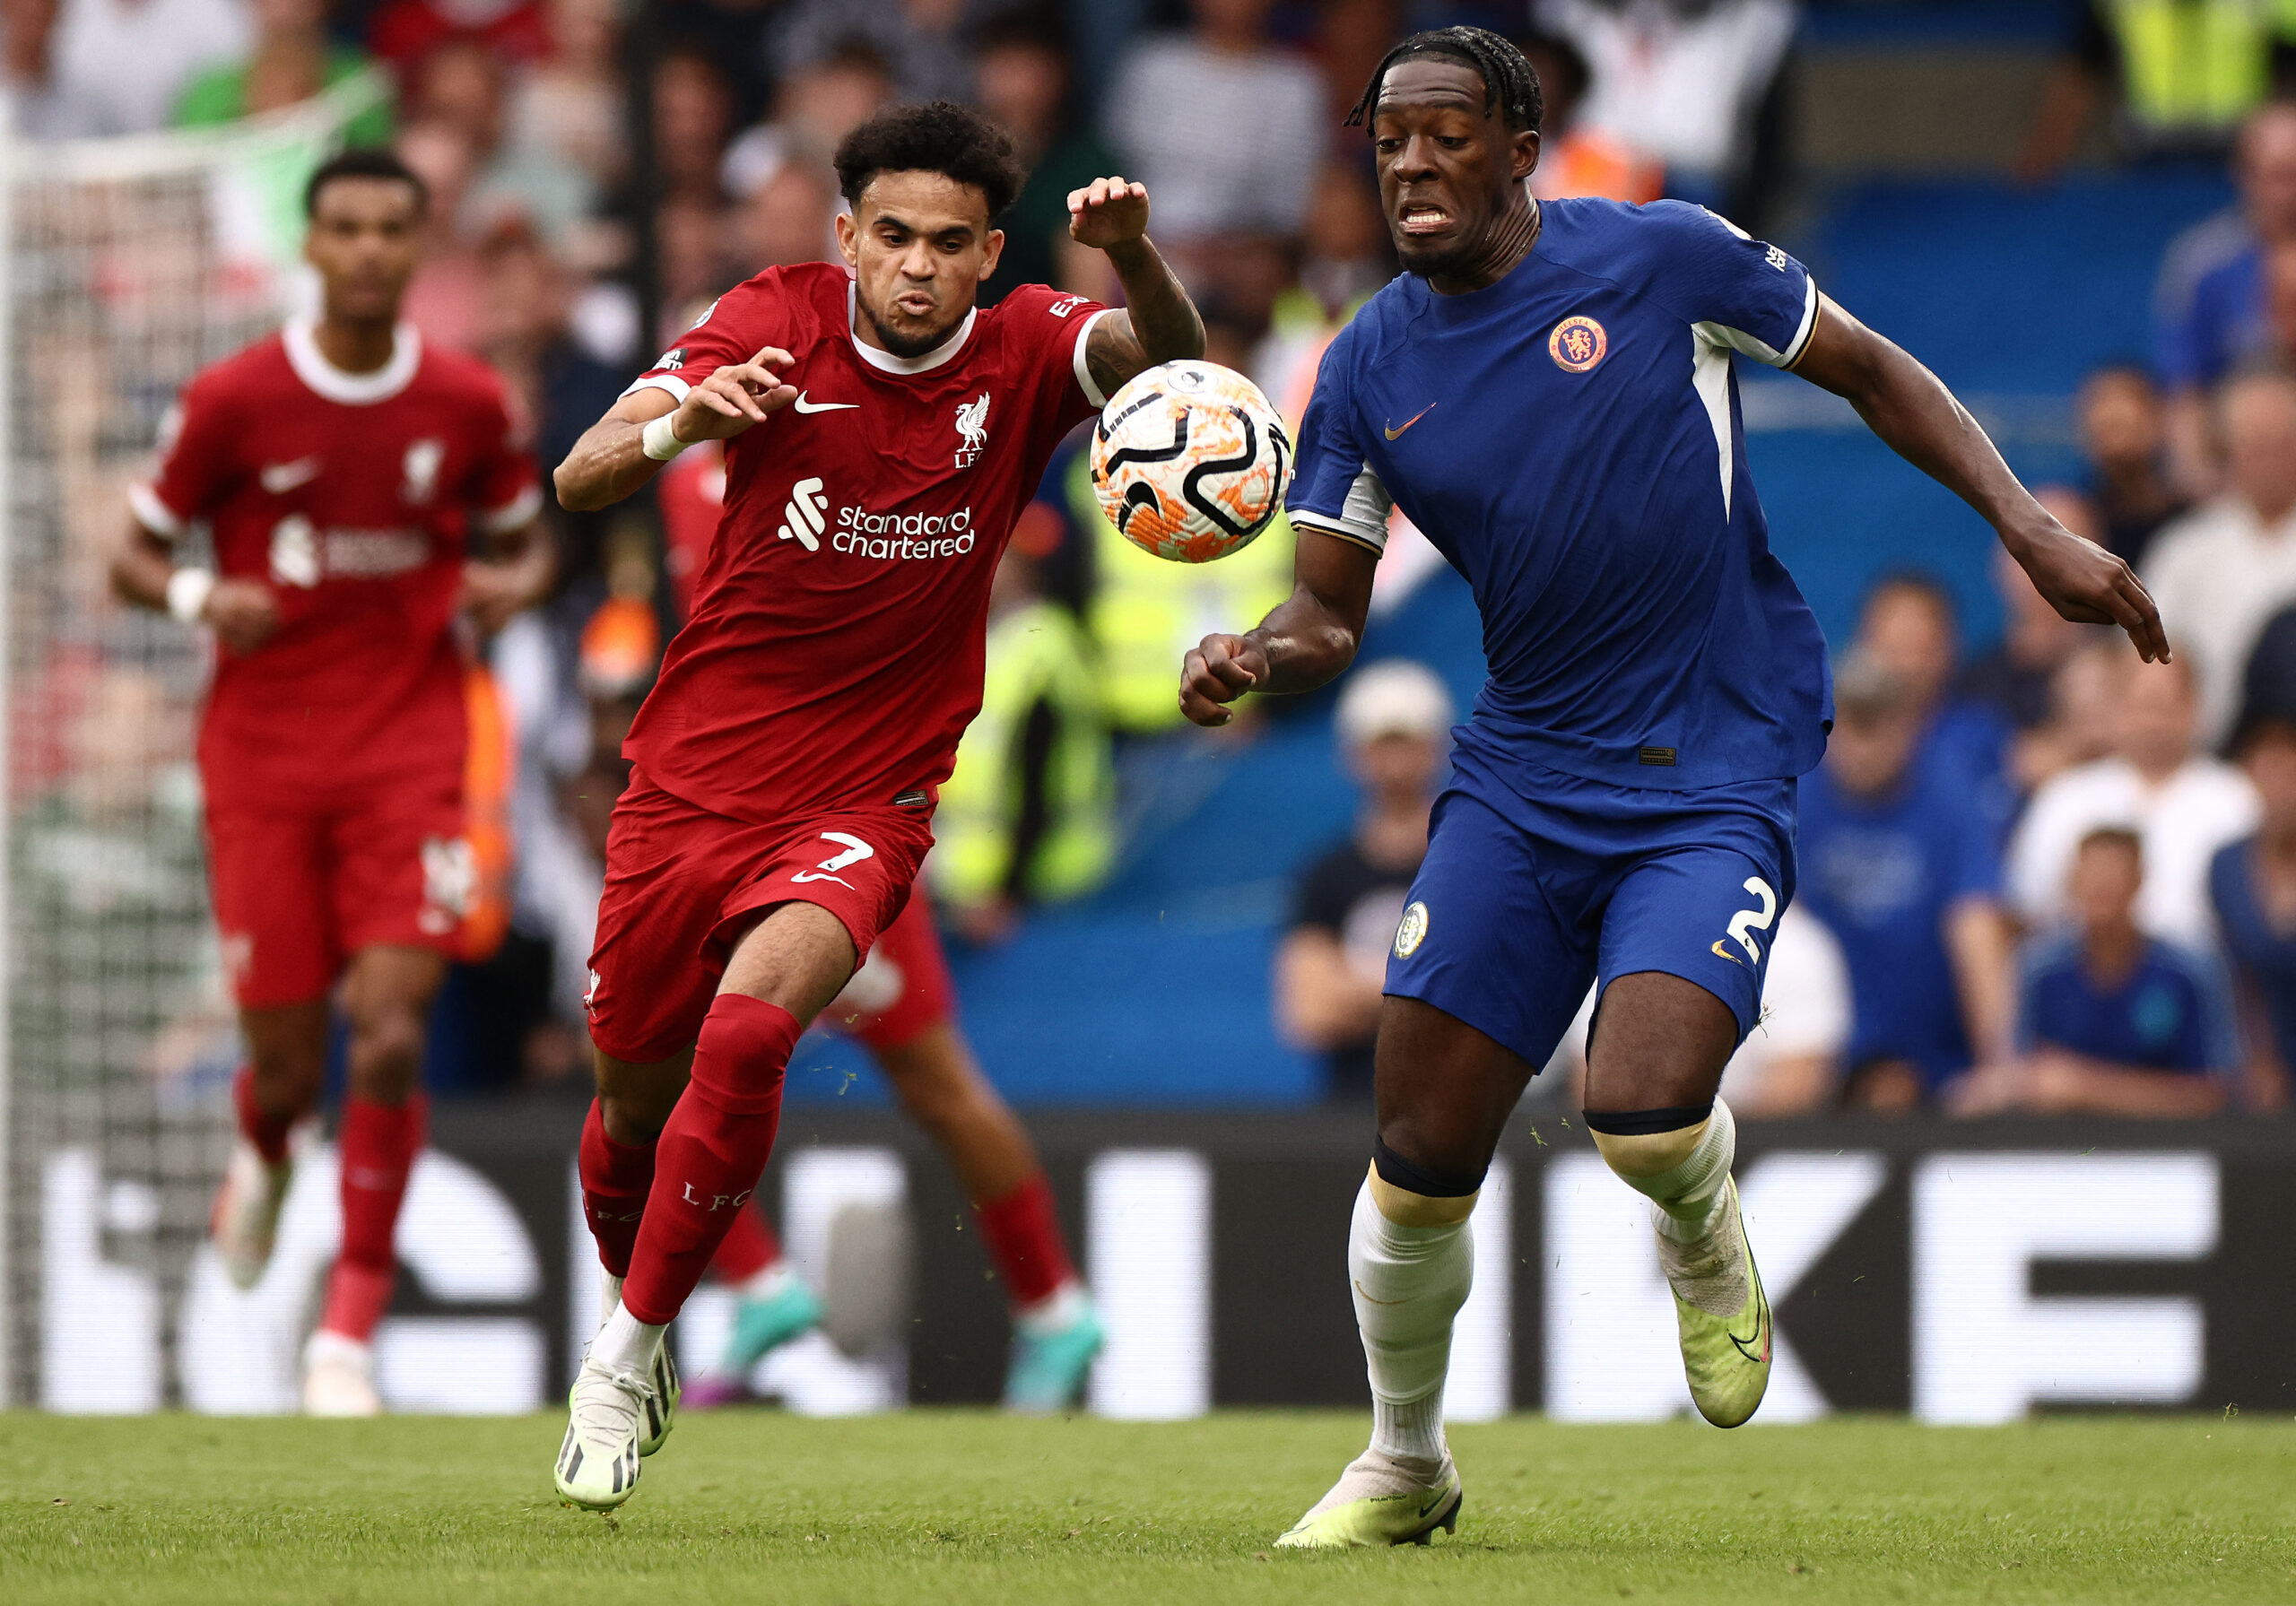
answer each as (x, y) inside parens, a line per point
(187, 593)
(659, 441)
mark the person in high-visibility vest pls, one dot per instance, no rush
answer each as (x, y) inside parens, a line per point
(2186, 73)
(1027, 815)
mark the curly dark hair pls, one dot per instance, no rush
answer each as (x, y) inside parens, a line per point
(1510, 83)
(938, 136)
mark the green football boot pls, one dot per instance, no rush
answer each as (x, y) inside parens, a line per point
(1723, 1315)
(1381, 1500)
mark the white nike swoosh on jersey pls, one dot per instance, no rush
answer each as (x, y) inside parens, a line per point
(280, 478)
(803, 405)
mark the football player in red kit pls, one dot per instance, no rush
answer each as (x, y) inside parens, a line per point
(361, 493)
(883, 434)
(901, 1005)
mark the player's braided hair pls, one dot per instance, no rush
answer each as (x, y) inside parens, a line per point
(938, 136)
(1510, 83)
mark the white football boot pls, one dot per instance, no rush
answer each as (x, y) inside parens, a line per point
(339, 1378)
(599, 1460)
(244, 1221)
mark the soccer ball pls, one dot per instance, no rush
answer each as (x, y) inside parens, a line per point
(1190, 461)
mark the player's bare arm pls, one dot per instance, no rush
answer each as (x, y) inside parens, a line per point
(514, 574)
(611, 461)
(1159, 322)
(1911, 410)
(243, 614)
(1307, 637)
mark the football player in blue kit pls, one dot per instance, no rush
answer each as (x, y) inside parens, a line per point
(1548, 393)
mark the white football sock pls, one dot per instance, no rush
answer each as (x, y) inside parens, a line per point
(609, 1296)
(625, 1344)
(1689, 1194)
(1408, 1283)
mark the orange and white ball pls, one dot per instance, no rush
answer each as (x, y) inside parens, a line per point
(1190, 461)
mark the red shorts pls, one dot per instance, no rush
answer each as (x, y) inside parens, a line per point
(682, 883)
(903, 990)
(299, 890)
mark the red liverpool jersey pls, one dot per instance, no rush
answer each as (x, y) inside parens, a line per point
(349, 495)
(833, 655)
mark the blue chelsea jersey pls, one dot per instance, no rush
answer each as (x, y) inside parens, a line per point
(1569, 439)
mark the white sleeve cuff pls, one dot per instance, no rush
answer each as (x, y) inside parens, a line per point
(1083, 367)
(678, 389)
(518, 510)
(155, 515)
(1363, 516)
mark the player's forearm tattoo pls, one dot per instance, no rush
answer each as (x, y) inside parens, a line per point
(1160, 323)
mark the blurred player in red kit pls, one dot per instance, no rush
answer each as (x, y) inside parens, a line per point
(883, 434)
(901, 1005)
(362, 494)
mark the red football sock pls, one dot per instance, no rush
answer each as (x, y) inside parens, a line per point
(376, 1150)
(1024, 1239)
(615, 1177)
(267, 1131)
(712, 1151)
(749, 1247)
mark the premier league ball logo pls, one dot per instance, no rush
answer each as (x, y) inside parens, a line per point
(1577, 344)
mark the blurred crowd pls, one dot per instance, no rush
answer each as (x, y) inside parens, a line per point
(2042, 877)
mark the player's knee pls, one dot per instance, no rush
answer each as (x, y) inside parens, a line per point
(387, 1053)
(1640, 1144)
(1411, 1194)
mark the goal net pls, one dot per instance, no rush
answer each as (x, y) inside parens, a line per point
(130, 264)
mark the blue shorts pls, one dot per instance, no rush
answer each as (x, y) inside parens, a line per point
(1537, 883)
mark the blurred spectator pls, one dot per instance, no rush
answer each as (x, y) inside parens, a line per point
(2123, 434)
(2016, 677)
(41, 108)
(2209, 305)
(574, 103)
(738, 35)
(1027, 815)
(1024, 85)
(1346, 257)
(1904, 869)
(1685, 81)
(2183, 805)
(1225, 129)
(527, 333)
(462, 83)
(689, 262)
(1576, 159)
(404, 31)
(694, 113)
(293, 60)
(1394, 725)
(1790, 1063)
(921, 41)
(2111, 1021)
(1910, 628)
(2252, 887)
(790, 218)
(2182, 75)
(446, 300)
(812, 110)
(2223, 569)
(121, 66)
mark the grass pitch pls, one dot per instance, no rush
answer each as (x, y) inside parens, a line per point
(933, 1506)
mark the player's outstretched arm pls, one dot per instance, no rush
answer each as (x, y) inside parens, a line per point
(646, 428)
(1911, 410)
(1159, 322)
(1310, 637)
(243, 614)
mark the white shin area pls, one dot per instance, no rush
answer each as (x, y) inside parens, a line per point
(1408, 1283)
(1688, 1192)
